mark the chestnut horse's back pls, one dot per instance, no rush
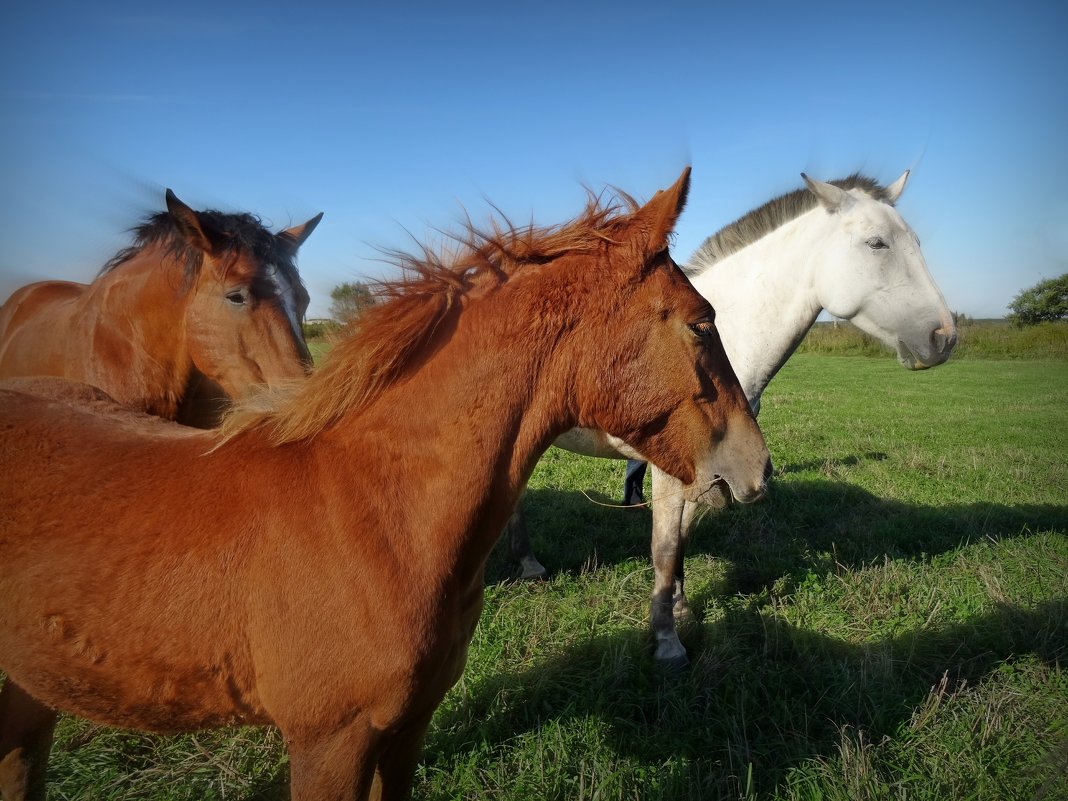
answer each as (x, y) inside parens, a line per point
(69, 563)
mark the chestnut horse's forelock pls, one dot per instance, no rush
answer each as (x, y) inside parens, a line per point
(231, 234)
(381, 344)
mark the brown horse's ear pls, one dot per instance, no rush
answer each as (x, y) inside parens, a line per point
(188, 223)
(657, 218)
(298, 233)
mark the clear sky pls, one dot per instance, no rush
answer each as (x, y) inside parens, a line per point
(394, 117)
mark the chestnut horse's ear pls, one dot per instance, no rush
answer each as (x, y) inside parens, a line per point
(660, 214)
(188, 223)
(298, 233)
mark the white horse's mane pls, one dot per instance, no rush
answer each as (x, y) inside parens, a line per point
(765, 219)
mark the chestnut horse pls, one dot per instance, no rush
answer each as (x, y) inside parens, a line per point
(200, 308)
(234, 576)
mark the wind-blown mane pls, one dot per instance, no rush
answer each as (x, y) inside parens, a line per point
(381, 345)
(761, 221)
(231, 233)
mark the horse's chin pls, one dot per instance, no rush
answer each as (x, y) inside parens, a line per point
(720, 494)
(912, 359)
(716, 495)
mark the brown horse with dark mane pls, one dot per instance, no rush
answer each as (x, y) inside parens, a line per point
(203, 306)
(235, 577)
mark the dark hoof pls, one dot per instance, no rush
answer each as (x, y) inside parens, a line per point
(542, 576)
(530, 569)
(674, 664)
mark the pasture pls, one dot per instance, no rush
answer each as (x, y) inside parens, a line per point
(890, 623)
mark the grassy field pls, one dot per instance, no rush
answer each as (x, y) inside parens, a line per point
(891, 623)
(983, 339)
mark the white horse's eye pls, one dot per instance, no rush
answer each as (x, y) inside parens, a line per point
(876, 243)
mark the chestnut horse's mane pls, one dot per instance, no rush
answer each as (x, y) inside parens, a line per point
(377, 348)
(774, 214)
(232, 233)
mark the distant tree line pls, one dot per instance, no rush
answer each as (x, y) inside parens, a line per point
(1046, 301)
(349, 299)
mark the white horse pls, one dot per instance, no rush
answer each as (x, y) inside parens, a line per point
(840, 247)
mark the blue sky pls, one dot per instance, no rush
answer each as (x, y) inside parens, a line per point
(393, 118)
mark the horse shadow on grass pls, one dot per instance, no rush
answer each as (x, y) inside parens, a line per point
(760, 692)
(761, 695)
(802, 527)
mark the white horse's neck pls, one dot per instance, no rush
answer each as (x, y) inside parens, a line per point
(765, 298)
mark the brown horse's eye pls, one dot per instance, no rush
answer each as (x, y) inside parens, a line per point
(238, 297)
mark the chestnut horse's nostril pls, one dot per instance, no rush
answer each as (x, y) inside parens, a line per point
(768, 470)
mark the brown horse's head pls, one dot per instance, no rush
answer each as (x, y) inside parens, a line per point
(654, 372)
(247, 302)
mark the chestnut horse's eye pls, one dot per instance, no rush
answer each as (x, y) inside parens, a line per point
(703, 329)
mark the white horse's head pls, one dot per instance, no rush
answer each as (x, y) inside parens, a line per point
(873, 273)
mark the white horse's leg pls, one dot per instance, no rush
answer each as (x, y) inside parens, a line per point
(680, 605)
(668, 508)
(519, 545)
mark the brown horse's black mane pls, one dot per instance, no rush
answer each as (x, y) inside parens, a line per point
(774, 214)
(230, 234)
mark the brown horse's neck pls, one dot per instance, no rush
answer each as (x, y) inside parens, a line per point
(144, 350)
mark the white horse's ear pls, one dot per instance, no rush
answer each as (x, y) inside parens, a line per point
(831, 197)
(897, 187)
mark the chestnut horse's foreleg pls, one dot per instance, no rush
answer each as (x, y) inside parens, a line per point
(667, 549)
(519, 544)
(26, 727)
(333, 766)
(396, 766)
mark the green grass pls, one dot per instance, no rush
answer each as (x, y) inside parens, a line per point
(989, 339)
(891, 623)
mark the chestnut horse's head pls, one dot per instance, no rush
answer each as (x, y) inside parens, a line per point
(246, 304)
(653, 371)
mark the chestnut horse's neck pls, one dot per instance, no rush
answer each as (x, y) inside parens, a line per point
(133, 319)
(465, 431)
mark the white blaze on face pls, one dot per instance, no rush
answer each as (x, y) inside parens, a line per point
(290, 298)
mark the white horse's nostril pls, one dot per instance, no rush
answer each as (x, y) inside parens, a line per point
(943, 342)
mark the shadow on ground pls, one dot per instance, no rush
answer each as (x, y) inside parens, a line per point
(761, 693)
